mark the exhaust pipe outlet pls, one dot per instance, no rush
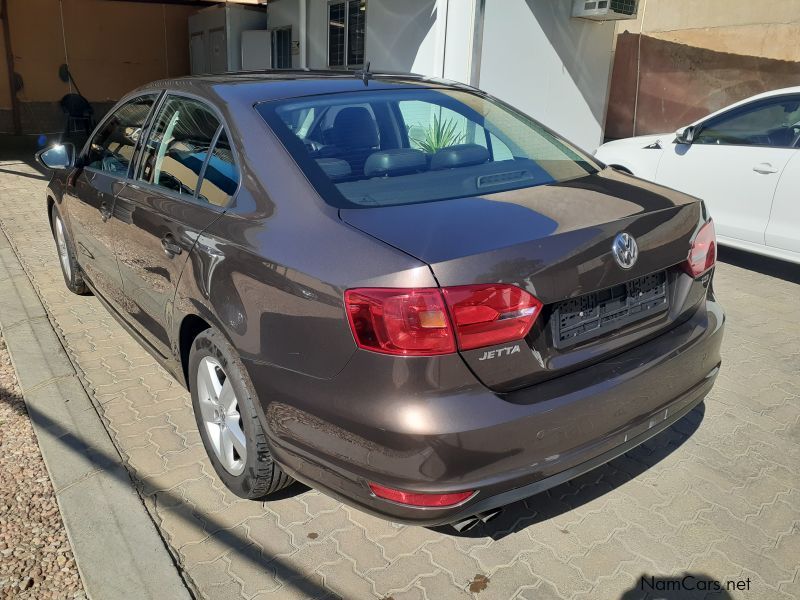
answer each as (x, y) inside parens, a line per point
(489, 515)
(465, 524)
(470, 522)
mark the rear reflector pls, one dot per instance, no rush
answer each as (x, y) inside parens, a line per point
(415, 321)
(703, 252)
(415, 499)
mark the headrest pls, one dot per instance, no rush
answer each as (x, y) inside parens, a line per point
(460, 155)
(400, 161)
(354, 127)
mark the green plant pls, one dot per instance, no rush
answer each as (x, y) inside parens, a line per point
(439, 134)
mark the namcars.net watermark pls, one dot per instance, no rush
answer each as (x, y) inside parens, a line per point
(689, 583)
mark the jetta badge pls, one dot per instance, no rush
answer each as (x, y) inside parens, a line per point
(625, 250)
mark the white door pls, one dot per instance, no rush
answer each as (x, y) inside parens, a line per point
(735, 164)
(783, 230)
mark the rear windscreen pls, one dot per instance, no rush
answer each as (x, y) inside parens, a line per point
(390, 147)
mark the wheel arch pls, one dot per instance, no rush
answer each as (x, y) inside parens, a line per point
(191, 326)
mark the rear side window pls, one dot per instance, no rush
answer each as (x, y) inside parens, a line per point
(178, 145)
(112, 147)
(221, 177)
(389, 147)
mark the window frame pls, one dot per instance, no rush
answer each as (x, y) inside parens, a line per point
(157, 94)
(133, 177)
(346, 66)
(740, 110)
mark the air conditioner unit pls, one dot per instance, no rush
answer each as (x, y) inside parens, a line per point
(605, 10)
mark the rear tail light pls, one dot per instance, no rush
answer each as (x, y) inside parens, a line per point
(485, 315)
(703, 252)
(411, 322)
(415, 322)
(416, 499)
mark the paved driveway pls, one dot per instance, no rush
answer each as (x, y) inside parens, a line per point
(716, 496)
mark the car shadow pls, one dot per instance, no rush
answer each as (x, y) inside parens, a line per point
(587, 487)
(765, 265)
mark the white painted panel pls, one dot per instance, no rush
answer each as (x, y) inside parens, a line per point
(549, 65)
(402, 36)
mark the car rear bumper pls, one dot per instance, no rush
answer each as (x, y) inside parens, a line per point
(430, 427)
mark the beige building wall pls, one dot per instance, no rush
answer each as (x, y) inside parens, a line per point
(110, 47)
(681, 59)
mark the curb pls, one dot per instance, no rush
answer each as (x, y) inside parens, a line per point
(117, 548)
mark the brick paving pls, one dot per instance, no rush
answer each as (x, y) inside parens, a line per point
(716, 496)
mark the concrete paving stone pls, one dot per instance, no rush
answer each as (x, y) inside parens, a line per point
(565, 577)
(507, 581)
(444, 554)
(198, 547)
(402, 573)
(205, 575)
(406, 540)
(341, 578)
(166, 439)
(775, 520)
(365, 555)
(597, 527)
(269, 536)
(614, 586)
(659, 552)
(603, 559)
(758, 562)
(247, 567)
(786, 551)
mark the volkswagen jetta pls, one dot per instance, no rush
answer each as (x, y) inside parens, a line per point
(399, 290)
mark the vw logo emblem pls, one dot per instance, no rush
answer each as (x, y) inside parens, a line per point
(625, 250)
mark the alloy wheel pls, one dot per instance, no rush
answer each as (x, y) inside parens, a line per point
(219, 409)
(61, 243)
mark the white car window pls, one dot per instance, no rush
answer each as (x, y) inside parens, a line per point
(774, 122)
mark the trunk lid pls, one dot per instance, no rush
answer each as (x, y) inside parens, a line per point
(555, 242)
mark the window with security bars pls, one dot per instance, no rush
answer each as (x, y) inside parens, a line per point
(346, 33)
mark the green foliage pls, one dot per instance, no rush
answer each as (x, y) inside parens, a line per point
(440, 134)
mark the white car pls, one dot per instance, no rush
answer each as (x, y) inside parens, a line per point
(743, 161)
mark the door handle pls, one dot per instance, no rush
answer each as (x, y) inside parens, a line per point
(765, 168)
(170, 245)
(105, 211)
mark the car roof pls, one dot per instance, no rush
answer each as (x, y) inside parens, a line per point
(259, 86)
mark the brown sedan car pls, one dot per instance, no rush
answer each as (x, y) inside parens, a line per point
(399, 290)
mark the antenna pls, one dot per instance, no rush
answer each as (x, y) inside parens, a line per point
(364, 74)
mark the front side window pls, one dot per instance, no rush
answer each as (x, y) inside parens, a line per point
(390, 147)
(112, 147)
(774, 122)
(346, 33)
(178, 145)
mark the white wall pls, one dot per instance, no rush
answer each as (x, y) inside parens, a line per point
(402, 36)
(549, 65)
(286, 13)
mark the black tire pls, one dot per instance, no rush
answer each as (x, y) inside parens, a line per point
(73, 276)
(261, 475)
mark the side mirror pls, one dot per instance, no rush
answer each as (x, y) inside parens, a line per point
(58, 157)
(685, 135)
